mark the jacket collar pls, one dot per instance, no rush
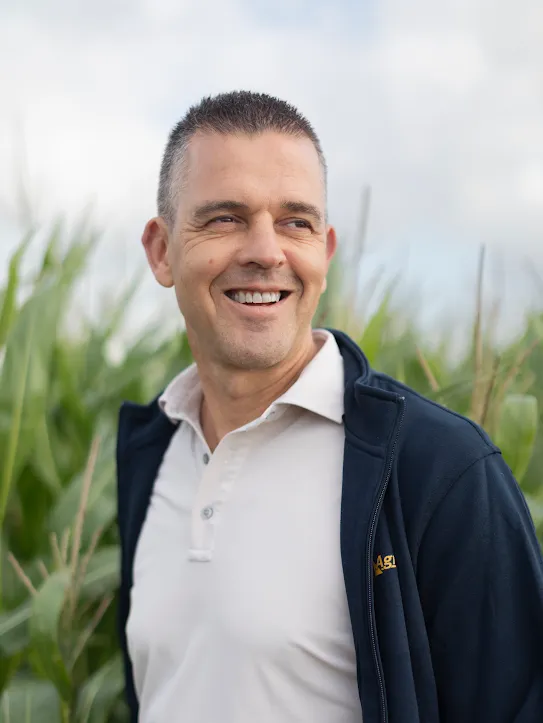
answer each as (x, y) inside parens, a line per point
(141, 424)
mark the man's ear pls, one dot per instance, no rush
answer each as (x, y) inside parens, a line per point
(331, 245)
(155, 241)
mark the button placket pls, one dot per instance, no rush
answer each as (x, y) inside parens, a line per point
(216, 483)
(203, 511)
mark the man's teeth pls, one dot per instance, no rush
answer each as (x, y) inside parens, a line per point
(255, 297)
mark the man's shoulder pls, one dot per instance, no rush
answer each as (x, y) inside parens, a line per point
(436, 448)
(430, 425)
(429, 429)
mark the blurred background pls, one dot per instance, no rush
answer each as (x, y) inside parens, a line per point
(436, 108)
(431, 119)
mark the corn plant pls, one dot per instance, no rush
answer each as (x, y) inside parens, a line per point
(59, 393)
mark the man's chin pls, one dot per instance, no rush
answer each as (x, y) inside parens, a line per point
(255, 354)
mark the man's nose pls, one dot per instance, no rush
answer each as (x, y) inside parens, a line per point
(263, 246)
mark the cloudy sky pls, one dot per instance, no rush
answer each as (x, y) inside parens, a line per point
(437, 107)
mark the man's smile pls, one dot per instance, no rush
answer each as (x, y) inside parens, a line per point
(257, 296)
(259, 304)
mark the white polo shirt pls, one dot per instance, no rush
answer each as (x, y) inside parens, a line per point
(238, 609)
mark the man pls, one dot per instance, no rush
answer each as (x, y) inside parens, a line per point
(303, 538)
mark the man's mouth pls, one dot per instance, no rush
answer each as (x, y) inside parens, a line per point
(258, 298)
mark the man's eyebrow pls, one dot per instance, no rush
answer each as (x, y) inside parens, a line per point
(301, 207)
(201, 213)
(204, 211)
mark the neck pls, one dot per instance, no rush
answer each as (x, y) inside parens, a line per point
(235, 397)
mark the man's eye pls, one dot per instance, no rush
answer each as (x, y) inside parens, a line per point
(223, 219)
(300, 223)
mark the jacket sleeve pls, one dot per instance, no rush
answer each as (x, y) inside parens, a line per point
(130, 690)
(480, 575)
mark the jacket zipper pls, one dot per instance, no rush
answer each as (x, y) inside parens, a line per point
(373, 525)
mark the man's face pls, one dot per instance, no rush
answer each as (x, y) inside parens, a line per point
(250, 226)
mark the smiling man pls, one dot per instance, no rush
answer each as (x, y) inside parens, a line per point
(303, 538)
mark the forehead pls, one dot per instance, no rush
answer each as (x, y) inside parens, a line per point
(251, 167)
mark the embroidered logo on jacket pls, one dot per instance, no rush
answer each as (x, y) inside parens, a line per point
(384, 563)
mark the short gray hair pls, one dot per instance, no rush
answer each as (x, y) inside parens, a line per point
(237, 112)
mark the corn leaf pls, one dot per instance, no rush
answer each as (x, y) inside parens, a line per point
(30, 701)
(99, 694)
(14, 635)
(8, 309)
(102, 573)
(373, 336)
(102, 577)
(8, 666)
(47, 607)
(101, 507)
(51, 256)
(24, 380)
(43, 459)
(517, 431)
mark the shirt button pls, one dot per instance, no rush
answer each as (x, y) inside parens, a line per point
(207, 513)
(206, 458)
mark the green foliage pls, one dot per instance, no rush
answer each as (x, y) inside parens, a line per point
(28, 700)
(45, 616)
(517, 430)
(59, 558)
(59, 398)
(99, 694)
